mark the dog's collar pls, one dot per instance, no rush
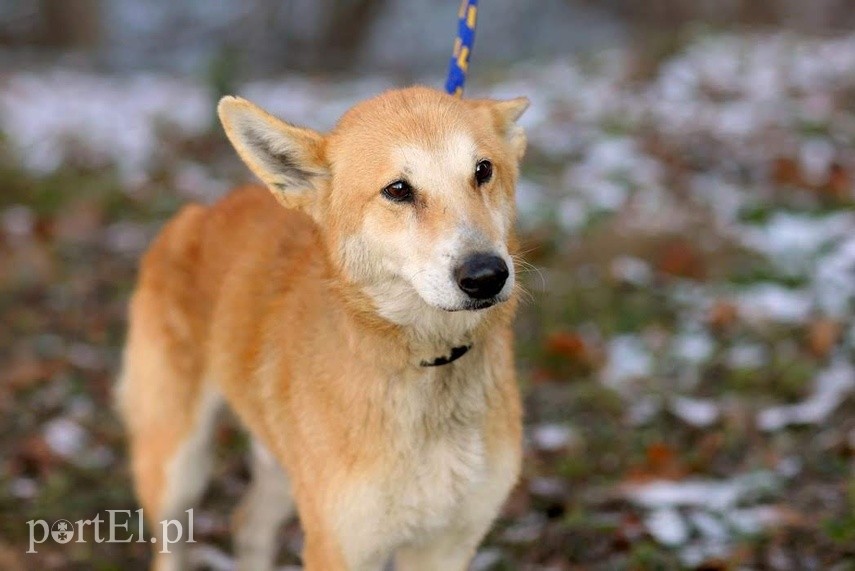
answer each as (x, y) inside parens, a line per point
(456, 353)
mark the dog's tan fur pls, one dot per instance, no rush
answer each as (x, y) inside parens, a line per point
(311, 321)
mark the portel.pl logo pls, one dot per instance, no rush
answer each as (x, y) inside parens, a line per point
(116, 529)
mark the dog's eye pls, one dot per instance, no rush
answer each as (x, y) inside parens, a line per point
(399, 191)
(483, 172)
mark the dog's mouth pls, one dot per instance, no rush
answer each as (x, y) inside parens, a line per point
(475, 304)
(478, 304)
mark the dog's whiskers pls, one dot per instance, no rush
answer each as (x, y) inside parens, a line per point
(526, 267)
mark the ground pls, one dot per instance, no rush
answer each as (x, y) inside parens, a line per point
(685, 348)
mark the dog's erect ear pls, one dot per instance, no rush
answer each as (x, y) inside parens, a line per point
(505, 114)
(288, 159)
(510, 110)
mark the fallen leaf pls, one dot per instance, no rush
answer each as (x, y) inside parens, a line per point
(569, 345)
(822, 336)
(33, 457)
(680, 259)
(661, 462)
(786, 171)
(25, 372)
(722, 314)
(839, 184)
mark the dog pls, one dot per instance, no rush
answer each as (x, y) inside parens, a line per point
(355, 315)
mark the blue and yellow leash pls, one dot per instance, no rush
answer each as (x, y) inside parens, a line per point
(459, 64)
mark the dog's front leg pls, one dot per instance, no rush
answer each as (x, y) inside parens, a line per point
(451, 550)
(325, 551)
(319, 556)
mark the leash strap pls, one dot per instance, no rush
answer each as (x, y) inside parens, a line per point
(459, 64)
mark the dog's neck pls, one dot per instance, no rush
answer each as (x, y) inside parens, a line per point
(430, 337)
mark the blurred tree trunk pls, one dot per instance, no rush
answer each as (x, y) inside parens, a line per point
(347, 25)
(812, 15)
(313, 34)
(74, 24)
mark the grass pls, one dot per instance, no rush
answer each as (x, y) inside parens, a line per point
(69, 288)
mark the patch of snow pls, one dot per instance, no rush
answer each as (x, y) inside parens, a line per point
(792, 241)
(126, 237)
(643, 410)
(718, 533)
(667, 526)
(17, 221)
(815, 157)
(696, 412)
(23, 488)
(775, 303)
(713, 495)
(834, 283)
(548, 487)
(754, 519)
(526, 530)
(709, 526)
(86, 356)
(195, 181)
(572, 214)
(789, 467)
(632, 270)
(627, 359)
(705, 518)
(552, 437)
(747, 356)
(693, 346)
(696, 553)
(97, 458)
(531, 201)
(65, 437)
(830, 388)
(80, 407)
(724, 198)
(487, 559)
(610, 168)
(51, 118)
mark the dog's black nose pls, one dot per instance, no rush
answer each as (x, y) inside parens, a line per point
(482, 276)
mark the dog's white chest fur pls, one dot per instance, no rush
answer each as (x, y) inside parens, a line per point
(439, 443)
(440, 459)
(434, 478)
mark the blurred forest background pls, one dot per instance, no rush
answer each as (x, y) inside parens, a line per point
(686, 353)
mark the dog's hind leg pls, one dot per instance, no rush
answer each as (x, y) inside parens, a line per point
(265, 507)
(171, 462)
(188, 471)
(169, 414)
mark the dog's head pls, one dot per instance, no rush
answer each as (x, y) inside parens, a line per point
(413, 190)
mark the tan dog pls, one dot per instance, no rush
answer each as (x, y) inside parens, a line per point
(361, 333)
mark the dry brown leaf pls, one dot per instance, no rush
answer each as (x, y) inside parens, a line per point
(680, 259)
(662, 462)
(839, 184)
(786, 171)
(569, 345)
(722, 314)
(822, 336)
